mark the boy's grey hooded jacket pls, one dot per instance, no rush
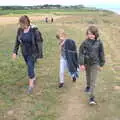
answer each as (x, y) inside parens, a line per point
(91, 52)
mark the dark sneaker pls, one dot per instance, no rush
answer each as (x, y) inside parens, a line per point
(87, 89)
(74, 79)
(92, 101)
(61, 85)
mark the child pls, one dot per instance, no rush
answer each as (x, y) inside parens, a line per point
(30, 40)
(68, 57)
(91, 59)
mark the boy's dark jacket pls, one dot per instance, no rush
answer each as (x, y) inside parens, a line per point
(71, 55)
(37, 43)
(91, 52)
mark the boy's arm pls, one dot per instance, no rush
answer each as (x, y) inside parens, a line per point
(81, 54)
(81, 57)
(101, 54)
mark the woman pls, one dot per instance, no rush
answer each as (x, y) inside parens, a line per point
(30, 40)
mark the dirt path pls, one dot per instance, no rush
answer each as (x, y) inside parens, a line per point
(14, 20)
(74, 103)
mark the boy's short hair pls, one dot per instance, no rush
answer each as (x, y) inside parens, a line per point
(94, 30)
(59, 33)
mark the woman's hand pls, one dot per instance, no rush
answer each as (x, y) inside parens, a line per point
(82, 67)
(14, 56)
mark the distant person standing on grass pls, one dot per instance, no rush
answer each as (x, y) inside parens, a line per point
(68, 57)
(30, 40)
(46, 19)
(52, 20)
(91, 59)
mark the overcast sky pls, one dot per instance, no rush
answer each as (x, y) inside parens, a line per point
(107, 4)
(98, 3)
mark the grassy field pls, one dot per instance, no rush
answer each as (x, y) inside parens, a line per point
(47, 101)
(52, 11)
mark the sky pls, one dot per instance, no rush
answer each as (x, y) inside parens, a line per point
(105, 4)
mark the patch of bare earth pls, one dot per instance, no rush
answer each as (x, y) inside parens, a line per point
(14, 20)
(73, 105)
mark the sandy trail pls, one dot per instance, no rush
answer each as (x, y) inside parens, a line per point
(14, 20)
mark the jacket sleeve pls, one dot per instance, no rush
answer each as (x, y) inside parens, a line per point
(81, 54)
(39, 43)
(17, 43)
(101, 54)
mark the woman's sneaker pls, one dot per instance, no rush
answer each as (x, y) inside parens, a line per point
(61, 85)
(92, 101)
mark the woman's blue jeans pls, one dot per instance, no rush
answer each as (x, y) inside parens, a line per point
(30, 66)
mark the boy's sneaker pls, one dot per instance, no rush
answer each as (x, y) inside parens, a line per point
(92, 101)
(61, 85)
(74, 79)
(87, 89)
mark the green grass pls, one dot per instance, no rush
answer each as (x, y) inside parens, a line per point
(55, 12)
(45, 103)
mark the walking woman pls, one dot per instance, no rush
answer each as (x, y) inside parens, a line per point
(30, 40)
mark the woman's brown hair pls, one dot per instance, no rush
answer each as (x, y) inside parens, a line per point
(94, 30)
(24, 20)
